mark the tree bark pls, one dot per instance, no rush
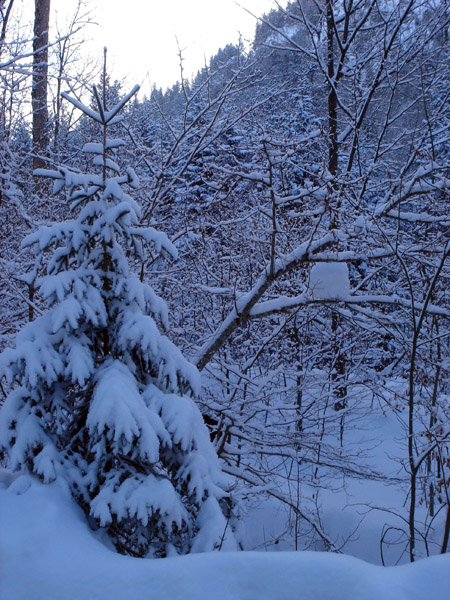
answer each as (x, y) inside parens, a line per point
(39, 88)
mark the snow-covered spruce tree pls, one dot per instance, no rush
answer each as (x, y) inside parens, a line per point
(98, 397)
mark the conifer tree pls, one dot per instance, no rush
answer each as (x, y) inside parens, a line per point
(98, 396)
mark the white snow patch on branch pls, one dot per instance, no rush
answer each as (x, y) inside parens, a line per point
(329, 281)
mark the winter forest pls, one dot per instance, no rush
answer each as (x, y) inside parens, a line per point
(224, 312)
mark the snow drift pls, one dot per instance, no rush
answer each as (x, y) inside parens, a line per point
(48, 552)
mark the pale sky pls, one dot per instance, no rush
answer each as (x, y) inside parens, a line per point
(141, 34)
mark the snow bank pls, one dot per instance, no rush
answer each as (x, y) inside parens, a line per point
(48, 552)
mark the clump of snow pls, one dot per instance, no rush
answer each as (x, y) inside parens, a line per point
(360, 226)
(47, 551)
(329, 281)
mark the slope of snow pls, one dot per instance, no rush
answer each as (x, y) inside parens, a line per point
(48, 552)
(357, 512)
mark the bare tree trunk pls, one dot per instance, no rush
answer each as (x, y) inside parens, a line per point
(446, 532)
(39, 89)
(5, 12)
(338, 362)
(332, 96)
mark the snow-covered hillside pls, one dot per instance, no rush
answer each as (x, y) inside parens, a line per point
(47, 552)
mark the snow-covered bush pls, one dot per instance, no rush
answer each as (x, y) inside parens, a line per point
(98, 396)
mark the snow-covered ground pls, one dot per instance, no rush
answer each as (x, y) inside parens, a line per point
(47, 552)
(365, 516)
